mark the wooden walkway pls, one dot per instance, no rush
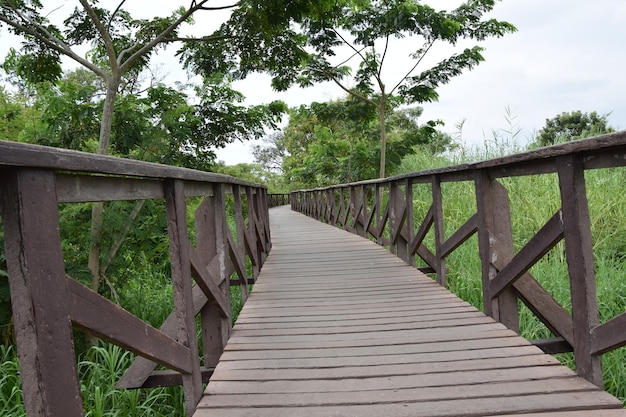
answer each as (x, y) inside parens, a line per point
(337, 326)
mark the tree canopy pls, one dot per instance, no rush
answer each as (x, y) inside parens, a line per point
(317, 47)
(337, 142)
(572, 125)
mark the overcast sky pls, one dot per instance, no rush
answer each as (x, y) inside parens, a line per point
(567, 55)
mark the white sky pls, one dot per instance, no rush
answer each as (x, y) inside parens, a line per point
(567, 55)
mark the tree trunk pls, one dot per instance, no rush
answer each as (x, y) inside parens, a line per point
(97, 210)
(382, 117)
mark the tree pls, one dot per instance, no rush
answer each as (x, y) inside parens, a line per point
(367, 29)
(120, 45)
(13, 115)
(337, 142)
(573, 125)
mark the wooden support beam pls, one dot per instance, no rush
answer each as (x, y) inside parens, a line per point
(159, 379)
(181, 282)
(553, 346)
(437, 208)
(208, 283)
(580, 264)
(545, 307)
(544, 240)
(495, 243)
(460, 236)
(105, 319)
(210, 220)
(38, 290)
(422, 231)
(608, 336)
(141, 368)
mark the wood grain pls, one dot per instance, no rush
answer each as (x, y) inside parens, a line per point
(337, 326)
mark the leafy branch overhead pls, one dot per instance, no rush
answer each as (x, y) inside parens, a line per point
(351, 44)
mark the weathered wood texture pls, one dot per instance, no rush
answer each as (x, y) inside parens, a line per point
(383, 210)
(337, 326)
(46, 302)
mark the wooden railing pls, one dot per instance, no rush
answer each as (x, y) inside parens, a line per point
(46, 302)
(275, 200)
(383, 210)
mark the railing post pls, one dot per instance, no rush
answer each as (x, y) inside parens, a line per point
(39, 293)
(580, 264)
(363, 211)
(397, 218)
(181, 282)
(211, 244)
(241, 245)
(495, 244)
(378, 199)
(440, 266)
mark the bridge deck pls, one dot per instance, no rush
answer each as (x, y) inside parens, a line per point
(337, 326)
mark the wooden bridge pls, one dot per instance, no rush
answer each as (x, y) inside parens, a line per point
(335, 325)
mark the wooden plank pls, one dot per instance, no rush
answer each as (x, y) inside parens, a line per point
(37, 283)
(181, 283)
(244, 343)
(608, 336)
(544, 240)
(424, 369)
(471, 407)
(94, 313)
(385, 383)
(395, 396)
(330, 333)
(390, 349)
(24, 154)
(88, 188)
(580, 264)
(379, 360)
(460, 236)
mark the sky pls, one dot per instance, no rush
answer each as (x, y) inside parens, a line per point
(567, 55)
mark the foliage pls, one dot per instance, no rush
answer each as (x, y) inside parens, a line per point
(337, 142)
(366, 30)
(14, 115)
(573, 125)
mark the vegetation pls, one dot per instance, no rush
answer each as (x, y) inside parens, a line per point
(103, 108)
(337, 142)
(572, 125)
(317, 47)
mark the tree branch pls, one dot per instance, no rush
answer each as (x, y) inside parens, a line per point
(117, 9)
(382, 59)
(163, 35)
(351, 56)
(203, 39)
(357, 52)
(414, 66)
(50, 40)
(352, 92)
(106, 37)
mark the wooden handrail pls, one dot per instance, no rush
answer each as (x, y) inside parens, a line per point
(275, 200)
(46, 302)
(382, 210)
